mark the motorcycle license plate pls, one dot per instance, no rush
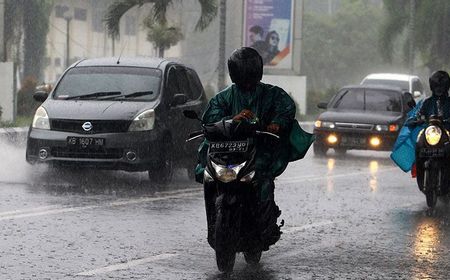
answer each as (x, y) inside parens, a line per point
(431, 152)
(85, 142)
(228, 146)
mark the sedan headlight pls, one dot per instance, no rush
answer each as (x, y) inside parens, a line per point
(228, 173)
(40, 119)
(381, 127)
(144, 121)
(324, 124)
(433, 135)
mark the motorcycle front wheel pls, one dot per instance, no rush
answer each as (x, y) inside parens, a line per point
(225, 243)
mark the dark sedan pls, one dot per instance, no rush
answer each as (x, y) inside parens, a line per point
(361, 117)
(126, 115)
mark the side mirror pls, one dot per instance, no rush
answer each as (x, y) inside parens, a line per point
(322, 105)
(179, 99)
(417, 94)
(40, 95)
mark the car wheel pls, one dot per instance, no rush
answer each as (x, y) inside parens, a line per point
(319, 149)
(163, 173)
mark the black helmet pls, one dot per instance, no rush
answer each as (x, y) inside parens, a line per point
(245, 66)
(439, 83)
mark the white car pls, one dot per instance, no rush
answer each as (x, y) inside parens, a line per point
(409, 83)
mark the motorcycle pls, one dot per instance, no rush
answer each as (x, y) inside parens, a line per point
(230, 191)
(432, 158)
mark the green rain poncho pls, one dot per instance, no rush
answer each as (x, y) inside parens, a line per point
(271, 104)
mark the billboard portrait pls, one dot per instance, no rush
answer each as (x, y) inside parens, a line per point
(268, 29)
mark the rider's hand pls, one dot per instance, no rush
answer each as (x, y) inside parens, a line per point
(273, 128)
(244, 114)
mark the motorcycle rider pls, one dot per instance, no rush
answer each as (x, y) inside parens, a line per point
(439, 86)
(403, 152)
(249, 99)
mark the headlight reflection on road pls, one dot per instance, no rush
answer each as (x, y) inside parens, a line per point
(426, 243)
(373, 183)
(330, 183)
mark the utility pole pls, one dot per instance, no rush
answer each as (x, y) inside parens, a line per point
(2, 31)
(222, 38)
(412, 14)
(68, 18)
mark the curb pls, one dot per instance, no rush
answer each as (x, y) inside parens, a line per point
(14, 135)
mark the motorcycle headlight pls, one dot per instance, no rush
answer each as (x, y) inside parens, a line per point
(40, 119)
(144, 121)
(227, 174)
(433, 135)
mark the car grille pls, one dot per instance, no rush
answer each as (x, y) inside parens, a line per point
(64, 152)
(98, 126)
(360, 126)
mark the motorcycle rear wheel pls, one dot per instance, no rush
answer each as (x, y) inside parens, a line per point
(431, 198)
(252, 258)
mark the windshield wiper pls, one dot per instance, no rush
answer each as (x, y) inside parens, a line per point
(95, 95)
(130, 95)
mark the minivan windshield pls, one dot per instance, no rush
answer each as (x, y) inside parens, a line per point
(367, 100)
(404, 85)
(109, 83)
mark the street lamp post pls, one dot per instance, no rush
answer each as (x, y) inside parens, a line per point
(68, 19)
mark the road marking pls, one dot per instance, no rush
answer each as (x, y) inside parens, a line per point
(28, 210)
(322, 177)
(126, 265)
(307, 227)
(17, 214)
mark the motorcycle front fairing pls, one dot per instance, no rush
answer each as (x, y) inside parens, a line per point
(432, 158)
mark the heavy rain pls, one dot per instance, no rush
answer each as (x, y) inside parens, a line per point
(140, 139)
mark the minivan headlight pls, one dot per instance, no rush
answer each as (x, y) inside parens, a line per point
(144, 121)
(40, 119)
(433, 135)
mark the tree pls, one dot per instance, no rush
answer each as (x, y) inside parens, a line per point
(340, 48)
(431, 36)
(30, 20)
(162, 36)
(156, 20)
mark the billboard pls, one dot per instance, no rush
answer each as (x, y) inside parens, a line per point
(268, 29)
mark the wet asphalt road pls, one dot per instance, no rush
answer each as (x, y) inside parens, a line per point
(353, 217)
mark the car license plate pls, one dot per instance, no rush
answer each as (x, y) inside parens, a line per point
(228, 146)
(353, 141)
(85, 142)
(431, 152)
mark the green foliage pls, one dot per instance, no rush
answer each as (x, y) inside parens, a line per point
(36, 16)
(162, 36)
(340, 49)
(431, 30)
(26, 105)
(159, 32)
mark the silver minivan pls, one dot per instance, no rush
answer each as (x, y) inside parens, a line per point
(409, 83)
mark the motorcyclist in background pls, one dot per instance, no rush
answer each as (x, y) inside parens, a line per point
(439, 86)
(249, 99)
(403, 152)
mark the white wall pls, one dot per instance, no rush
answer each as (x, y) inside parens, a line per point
(6, 92)
(294, 85)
